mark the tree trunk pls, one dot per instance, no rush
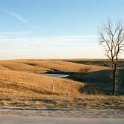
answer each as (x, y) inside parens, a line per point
(114, 79)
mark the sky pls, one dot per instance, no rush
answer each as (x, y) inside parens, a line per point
(54, 28)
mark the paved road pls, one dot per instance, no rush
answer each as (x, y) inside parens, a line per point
(13, 119)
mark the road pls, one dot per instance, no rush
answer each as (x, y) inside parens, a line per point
(14, 119)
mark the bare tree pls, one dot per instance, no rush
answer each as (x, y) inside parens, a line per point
(112, 38)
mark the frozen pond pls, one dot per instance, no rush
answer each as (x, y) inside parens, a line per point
(57, 75)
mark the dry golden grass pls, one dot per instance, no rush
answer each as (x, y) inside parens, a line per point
(67, 66)
(42, 66)
(30, 84)
(22, 85)
(17, 66)
(23, 76)
(62, 102)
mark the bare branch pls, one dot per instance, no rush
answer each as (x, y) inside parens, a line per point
(113, 40)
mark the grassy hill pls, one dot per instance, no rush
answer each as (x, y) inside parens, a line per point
(42, 66)
(25, 75)
(94, 75)
(22, 84)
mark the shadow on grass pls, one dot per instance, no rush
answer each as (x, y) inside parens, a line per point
(99, 82)
(105, 63)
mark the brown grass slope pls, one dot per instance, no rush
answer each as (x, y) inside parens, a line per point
(30, 84)
(17, 66)
(22, 85)
(23, 77)
(42, 66)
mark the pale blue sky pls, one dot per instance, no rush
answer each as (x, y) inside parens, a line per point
(54, 28)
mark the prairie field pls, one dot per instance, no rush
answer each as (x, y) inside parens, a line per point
(89, 84)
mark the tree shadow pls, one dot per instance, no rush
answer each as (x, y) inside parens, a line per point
(101, 82)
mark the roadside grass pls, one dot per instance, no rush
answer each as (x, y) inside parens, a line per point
(64, 102)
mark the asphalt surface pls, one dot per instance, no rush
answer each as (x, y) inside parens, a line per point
(14, 119)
